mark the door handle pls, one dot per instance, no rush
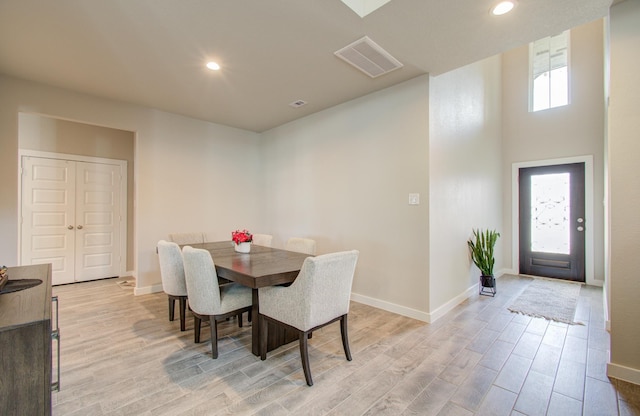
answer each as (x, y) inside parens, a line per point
(79, 227)
(70, 227)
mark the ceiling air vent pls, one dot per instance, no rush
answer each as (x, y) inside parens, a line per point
(297, 104)
(368, 57)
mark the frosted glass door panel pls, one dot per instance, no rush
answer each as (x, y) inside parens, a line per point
(550, 211)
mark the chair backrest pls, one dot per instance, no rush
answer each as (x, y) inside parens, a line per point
(324, 286)
(171, 268)
(301, 245)
(262, 239)
(187, 238)
(202, 281)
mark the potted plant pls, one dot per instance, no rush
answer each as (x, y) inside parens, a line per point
(481, 249)
(242, 240)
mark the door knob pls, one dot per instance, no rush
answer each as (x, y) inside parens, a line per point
(79, 227)
(580, 220)
(70, 227)
(581, 228)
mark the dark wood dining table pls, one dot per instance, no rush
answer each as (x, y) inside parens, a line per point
(261, 267)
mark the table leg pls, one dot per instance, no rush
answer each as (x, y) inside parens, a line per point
(255, 325)
(278, 335)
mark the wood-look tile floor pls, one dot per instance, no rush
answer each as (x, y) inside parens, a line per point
(121, 356)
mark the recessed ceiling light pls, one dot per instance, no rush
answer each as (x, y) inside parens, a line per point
(213, 66)
(502, 8)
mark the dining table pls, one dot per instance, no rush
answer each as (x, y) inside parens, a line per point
(261, 267)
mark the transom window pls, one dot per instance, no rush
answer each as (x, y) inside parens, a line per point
(549, 72)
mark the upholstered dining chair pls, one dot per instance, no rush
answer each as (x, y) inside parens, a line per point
(208, 300)
(301, 245)
(183, 239)
(173, 282)
(262, 239)
(319, 296)
(186, 238)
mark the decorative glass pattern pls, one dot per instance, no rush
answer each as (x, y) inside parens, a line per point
(550, 199)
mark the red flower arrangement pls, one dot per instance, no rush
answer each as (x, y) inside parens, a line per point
(241, 236)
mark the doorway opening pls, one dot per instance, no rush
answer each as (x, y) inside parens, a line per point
(73, 215)
(552, 221)
(553, 218)
(52, 137)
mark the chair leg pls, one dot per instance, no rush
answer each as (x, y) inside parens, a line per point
(345, 337)
(249, 316)
(183, 312)
(263, 337)
(172, 308)
(196, 329)
(240, 320)
(214, 337)
(304, 355)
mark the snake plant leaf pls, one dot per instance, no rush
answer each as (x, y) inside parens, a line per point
(481, 248)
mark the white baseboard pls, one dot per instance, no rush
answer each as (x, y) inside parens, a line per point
(428, 317)
(631, 375)
(390, 307)
(605, 308)
(448, 307)
(506, 271)
(147, 289)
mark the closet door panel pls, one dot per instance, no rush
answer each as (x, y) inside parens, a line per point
(48, 215)
(98, 219)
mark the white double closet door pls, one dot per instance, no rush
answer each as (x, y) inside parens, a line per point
(71, 217)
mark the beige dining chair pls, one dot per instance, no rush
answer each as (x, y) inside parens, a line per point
(319, 296)
(262, 239)
(183, 239)
(208, 300)
(173, 281)
(186, 238)
(301, 245)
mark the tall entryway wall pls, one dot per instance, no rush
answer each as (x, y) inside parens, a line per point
(557, 135)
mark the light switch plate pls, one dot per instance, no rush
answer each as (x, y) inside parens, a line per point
(414, 199)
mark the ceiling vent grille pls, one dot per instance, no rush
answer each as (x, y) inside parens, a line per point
(368, 57)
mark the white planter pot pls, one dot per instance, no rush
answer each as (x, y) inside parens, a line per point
(243, 247)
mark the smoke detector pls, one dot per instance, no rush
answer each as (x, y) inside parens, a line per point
(368, 57)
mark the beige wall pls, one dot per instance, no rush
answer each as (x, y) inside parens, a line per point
(465, 176)
(48, 134)
(190, 175)
(343, 177)
(624, 191)
(562, 132)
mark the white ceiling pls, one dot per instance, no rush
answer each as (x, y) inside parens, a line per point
(152, 52)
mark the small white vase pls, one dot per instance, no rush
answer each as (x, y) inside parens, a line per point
(243, 247)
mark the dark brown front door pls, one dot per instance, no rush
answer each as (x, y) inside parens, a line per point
(552, 221)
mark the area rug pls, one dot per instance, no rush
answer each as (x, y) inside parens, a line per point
(549, 299)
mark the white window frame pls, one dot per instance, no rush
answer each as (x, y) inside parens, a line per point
(531, 74)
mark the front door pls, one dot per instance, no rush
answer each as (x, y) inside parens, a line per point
(552, 212)
(71, 218)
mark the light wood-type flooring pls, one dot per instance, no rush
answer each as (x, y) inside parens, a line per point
(121, 356)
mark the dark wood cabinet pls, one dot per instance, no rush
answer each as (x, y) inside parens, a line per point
(25, 344)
